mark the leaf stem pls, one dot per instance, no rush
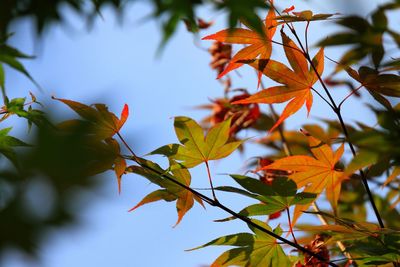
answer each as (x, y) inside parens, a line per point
(306, 35)
(210, 180)
(290, 225)
(127, 146)
(351, 93)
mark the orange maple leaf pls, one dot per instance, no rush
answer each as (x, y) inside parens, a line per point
(297, 83)
(257, 45)
(106, 124)
(314, 174)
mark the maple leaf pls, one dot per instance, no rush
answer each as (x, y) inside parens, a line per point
(105, 123)
(10, 56)
(119, 161)
(315, 174)
(7, 144)
(171, 191)
(297, 83)
(257, 45)
(395, 173)
(276, 197)
(256, 250)
(195, 148)
(377, 84)
(364, 38)
(306, 15)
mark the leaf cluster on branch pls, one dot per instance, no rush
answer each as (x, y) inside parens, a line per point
(299, 171)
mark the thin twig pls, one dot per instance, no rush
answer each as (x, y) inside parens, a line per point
(322, 97)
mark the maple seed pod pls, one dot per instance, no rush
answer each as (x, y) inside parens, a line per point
(202, 24)
(243, 116)
(318, 247)
(220, 56)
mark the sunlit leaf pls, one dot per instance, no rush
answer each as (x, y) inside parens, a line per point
(195, 148)
(297, 83)
(256, 249)
(257, 45)
(105, 123)
(316, 174)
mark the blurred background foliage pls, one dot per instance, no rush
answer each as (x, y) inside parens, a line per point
(171, 12)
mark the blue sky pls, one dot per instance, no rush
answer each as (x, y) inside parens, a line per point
(117, 64)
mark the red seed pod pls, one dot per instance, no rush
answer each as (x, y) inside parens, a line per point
(202, 24)
(318, 247)
(220, 56)
(242, 116)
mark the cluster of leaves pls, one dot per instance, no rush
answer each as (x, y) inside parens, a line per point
(290, 168)
(301, 166)
(46, 12)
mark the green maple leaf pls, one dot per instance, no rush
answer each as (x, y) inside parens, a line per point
(170, 191)
(256, 250)
(195, 148)
(10, 57)
(6, 145)
(278, 196)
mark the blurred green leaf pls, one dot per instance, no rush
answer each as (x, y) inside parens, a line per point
(54, 171)
(7, 143)
(366, 38)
